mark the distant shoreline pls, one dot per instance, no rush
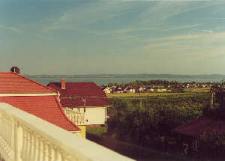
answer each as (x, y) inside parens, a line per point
(103, 79)
(133, 75)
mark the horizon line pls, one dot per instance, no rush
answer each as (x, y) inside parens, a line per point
(126, 74)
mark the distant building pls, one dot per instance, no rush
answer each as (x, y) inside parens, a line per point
(132, 90)
(141, 89)
(128, 89)
(33, 98)
(151, 89)
(107, 90)
(118, 90)
(161, 90)
(84, 103)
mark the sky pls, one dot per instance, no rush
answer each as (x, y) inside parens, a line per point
(112, 36)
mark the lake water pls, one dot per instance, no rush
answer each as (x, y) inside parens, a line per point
(105, 79)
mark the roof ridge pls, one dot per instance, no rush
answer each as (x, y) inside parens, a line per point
(6, 72)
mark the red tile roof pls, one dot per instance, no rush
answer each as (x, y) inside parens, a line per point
(202, 125)
(46, 107)
(12, 83)
(79, 93)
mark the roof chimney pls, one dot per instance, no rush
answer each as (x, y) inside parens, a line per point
(15, 69)
(63, 84)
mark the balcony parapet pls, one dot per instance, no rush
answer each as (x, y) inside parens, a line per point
(25, 137)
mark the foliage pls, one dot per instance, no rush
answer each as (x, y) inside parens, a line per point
(98, 131)
(143, 120)
(215, 113)
(213, 142)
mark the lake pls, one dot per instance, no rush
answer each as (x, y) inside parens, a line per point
(125, 78)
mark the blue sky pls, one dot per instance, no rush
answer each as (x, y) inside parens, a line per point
(112, 36)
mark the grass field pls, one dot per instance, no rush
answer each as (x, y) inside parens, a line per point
(197, 90)
(98, 131)
(187, 92)
(144, 95)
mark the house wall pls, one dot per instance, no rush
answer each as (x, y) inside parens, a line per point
(87, 116)
(83, 117)
(107, 90)
(93, 115)
(83, 131)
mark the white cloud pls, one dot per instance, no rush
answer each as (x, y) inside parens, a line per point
(10, 28)
(200, 45)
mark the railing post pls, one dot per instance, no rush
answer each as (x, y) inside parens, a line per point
(16, 149)
(38, 148)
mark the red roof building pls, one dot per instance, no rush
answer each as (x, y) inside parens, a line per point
(33, 98)
(201, 126)
(212, 121)
(77, 94)
(12, 83)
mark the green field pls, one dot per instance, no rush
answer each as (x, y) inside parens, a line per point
(97, 131)
(187, 92)
(122, 95)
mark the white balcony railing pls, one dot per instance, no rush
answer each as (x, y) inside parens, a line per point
(25, 137)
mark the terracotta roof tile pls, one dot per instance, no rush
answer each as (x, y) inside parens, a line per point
(45, 107)
(202, 125)
(77, 92)
(12, 83)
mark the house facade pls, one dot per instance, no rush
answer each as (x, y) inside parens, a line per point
(84, 103)
(107, 90)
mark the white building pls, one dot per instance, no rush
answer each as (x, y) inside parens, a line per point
(84, 103)
(107, 90)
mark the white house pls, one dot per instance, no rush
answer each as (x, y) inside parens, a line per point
(107, 90)
(84, 103)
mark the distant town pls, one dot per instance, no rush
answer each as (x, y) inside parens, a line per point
(154, 86)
